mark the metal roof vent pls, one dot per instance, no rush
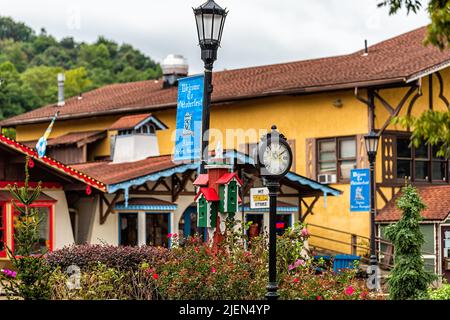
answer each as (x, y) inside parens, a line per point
(174, 67)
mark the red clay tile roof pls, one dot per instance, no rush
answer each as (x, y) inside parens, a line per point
(52, 163)
(392, 61)
(437, 199)
(111, 173)
(129, 122)
(79, 138)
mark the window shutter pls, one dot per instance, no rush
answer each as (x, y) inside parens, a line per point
(291, 143)
(388, 157)
(311, 171)
(361, 153)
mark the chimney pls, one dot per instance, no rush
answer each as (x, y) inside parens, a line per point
(174, 67)
(366, 49)
(61, 79)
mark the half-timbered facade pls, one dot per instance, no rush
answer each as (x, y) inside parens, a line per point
(323, 106)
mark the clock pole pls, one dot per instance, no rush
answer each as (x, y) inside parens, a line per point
(269, 162)
(272, 288)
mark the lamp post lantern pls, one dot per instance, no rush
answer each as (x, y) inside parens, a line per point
(210, 20)
(274, 160)
(371, 141)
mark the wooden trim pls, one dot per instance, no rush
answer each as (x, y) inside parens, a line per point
(110, 206)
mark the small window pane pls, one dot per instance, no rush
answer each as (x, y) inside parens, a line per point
(421, 168)
(157, 229)
(327, 167)
(403, 150)
(327, 151)
(2, 238)
(347, 148)
(435, 151)
(438, 173)
(345, 168)
(403, 169)
(421, 152)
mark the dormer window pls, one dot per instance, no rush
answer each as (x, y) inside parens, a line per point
(136, 138)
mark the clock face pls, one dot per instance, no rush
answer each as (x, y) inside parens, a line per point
(276, 158)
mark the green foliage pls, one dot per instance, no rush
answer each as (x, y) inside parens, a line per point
(33, 272)
(29, 63)
(408, 279)
(431, 127)
(439, 12)
(442, 293)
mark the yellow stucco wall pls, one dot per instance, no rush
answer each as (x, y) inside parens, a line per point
(297, 117)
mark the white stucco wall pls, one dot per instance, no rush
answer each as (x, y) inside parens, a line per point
(107, 233)
(135, 147)
(62, 227)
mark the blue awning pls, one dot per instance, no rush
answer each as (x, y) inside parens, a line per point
(241, 158)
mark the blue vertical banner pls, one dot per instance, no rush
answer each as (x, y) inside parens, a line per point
(189, 119)
(360, 190)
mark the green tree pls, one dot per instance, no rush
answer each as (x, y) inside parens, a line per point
(439, 12)
(32, 270)
(42, 81)
(77, 81)
(11, 100)
(408, 279)
(17, 31)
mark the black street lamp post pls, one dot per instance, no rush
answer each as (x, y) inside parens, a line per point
(371, 141)
(210, 20)
(274, 160)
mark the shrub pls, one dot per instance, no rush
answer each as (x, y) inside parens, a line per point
(122, 258)
(442, 293)
(102, 283)
(408, 279)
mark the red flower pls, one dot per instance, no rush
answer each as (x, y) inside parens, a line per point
(169, 236)
(196, 249)
(296, 280)
(349, 291)
(213, 270)
(319, 298)
(155, 276)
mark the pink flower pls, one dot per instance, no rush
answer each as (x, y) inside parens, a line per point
(213, 270)
(305, 232)
(149, 270)
(169, 236)
(247, 253)
(349, 291)
(9, 273)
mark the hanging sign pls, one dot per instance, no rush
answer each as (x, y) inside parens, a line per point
(360, 190)
(259, 198)
(189, 119)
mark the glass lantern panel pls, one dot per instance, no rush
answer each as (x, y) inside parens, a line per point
(217, 27)
(199, 22)
(207, 23)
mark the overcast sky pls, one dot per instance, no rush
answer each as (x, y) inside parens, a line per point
(257, 32)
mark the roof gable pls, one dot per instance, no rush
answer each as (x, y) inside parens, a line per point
(209, 193)
(136, 121)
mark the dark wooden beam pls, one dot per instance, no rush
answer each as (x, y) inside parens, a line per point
(109, 208)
